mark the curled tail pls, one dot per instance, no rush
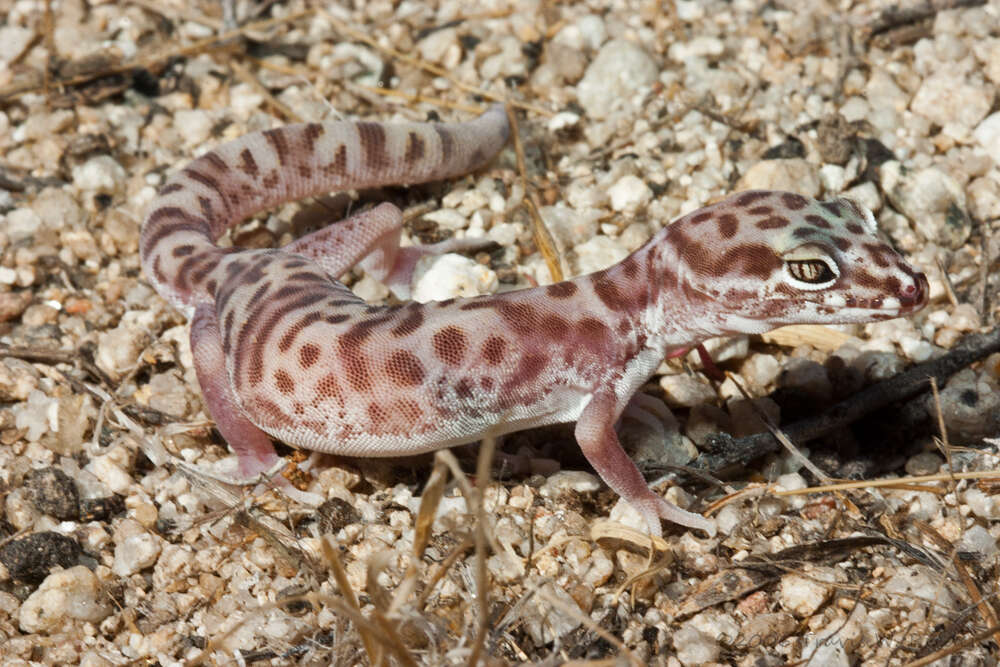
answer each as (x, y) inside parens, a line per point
(263, 169)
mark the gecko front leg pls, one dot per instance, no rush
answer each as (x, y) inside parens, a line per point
(596, 436)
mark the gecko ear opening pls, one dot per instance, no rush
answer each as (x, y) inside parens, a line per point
(809, 267)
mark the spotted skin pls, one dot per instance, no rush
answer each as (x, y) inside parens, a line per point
(282, 349)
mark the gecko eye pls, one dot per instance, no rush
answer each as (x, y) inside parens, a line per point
(812, 271)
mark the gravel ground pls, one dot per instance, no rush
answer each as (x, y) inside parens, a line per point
(115, 550)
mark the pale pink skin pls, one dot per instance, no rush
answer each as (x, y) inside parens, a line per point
(282, 349)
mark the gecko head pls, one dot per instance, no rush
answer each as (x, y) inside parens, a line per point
(780, 258)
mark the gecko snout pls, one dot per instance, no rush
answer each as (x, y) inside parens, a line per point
(913, 294)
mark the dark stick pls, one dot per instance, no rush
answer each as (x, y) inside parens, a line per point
(722, 449)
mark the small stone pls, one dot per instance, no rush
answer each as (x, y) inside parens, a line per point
(694, 647)
(441, 277)
(31, 558)
(13, 304)
(619, 71)
(767, 629)
(194, 125)
(22, 224)
(629, 194)
(441, 47)
(925, 463)
(118, 349)
(70, 595)
(53, 493)
(982, 504)
(976, 539)
(569, 481)
(14, 40)
(570, 226)
(685, 391)
(804, 596)
(334, 514)
(136, 549)
(932, 201)
(970, 406)
(793, 175)
(701, 46)
(100, 175)
(169, 394)
(916, 581)
(807, 376)
(948, 99)
(987, 135)
(546, 624)
(596, 254)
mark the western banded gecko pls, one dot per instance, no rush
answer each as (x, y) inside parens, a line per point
(283, 349)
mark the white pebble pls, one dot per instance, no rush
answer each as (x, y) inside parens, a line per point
(948, 99)
(100, 174)
(441, 277)
(792, 174)
(987, 135)
(194, 125)
(135, 553)
(978, 540)
(683, 390)
(804, 596)
(598, 253)
(118, 349)
(695, 647)
(21, 224)
(620, 69)
(576, 481)
(629, 194)
(69, 595)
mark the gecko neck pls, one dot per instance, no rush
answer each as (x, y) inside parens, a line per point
(665, 309)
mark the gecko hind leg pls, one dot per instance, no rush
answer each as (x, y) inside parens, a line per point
(256, 458)
(370, 239)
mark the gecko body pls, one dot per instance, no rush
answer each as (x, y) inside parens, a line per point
(283, 349)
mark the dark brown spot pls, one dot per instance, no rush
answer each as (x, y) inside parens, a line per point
(271, 415)
(336, 319)
(704, 216)
(285, 342)
(818, 220)
(404, 369)
(855, 228)
(447, 143)
(411, 323)
(183, 250)
(248, 165)
(464, 388)
(450, 345)
(562, 290)
(528, 368)
(272, 179)
(794, 201)
(553, 326)
(284, 382)
(308, 355)
(169, 188)
(607, 291)
(596, 335)
(630, 266)
(377, 414)
(339, 164)
(833, 207)
(728, 225)
(216, 161)
(893, 285)
(372, 138)
(328, 387)
(414, 148)
(311, 132)
(751, 197)
(520, 317)
(865, 279)
(774, 222)
(760, 210)
(279, 143)
(494, 350)
(752, 259)
(841, 243)
(804, 232)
